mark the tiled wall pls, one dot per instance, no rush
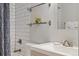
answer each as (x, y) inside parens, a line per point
(20, 17)
(12, 27)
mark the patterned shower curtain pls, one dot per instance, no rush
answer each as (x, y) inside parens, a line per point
(4, 29)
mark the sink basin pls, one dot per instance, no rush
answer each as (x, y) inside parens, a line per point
(71, 50)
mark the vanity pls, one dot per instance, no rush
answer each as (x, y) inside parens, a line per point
(51, 49)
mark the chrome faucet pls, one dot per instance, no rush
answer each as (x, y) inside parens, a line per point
(67, 43)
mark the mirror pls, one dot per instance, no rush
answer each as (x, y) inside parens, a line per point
(67, 16)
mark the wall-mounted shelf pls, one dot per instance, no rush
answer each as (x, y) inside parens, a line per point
(39, 23)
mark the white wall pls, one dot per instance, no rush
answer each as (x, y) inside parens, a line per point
(39, 33)
(45, 32)
(12, 27)
(66, 12)
(19, 18)
(78, 22)
(53, 18)
(22, 17)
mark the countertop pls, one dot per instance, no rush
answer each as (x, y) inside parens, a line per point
(49, 48)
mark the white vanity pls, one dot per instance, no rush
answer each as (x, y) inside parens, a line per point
(51, 49)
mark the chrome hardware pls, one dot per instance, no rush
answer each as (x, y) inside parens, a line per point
(67, 43)
(20, 41)
(19, 50)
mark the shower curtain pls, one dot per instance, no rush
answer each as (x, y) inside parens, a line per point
(4, 29)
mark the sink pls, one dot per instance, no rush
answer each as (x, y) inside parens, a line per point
(61, 48)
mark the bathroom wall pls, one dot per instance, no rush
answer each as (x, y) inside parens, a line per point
(78, 24)
(19, 18)
(39, 33)
(58, 14)
(70, 13)
(12, 27)
(22, 17)
(66, 12)
(53, 18)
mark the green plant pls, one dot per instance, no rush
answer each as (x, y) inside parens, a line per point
(37, 20)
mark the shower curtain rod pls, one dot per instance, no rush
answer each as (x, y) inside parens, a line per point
(37, 5)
